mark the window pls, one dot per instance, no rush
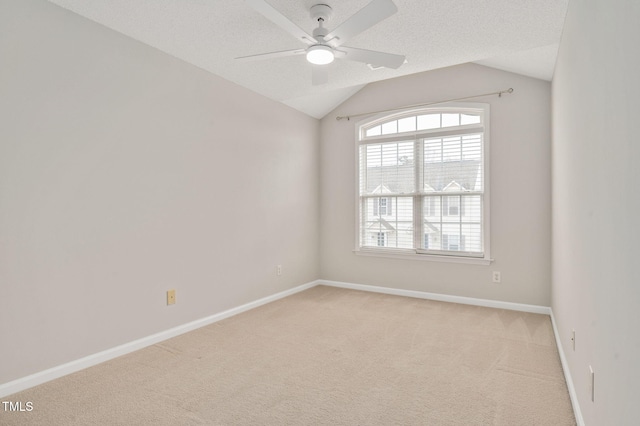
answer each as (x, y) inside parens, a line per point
(382, 207)
(423, 184)
(451, 206)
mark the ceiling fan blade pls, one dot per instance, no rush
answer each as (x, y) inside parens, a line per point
(319, 75)
(280, 20)
(365, 18)
(270, 55)
(387, 60)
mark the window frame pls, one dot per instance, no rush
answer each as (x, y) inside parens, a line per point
(451, 107)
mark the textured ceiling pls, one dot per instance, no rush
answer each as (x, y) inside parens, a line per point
(516, 35)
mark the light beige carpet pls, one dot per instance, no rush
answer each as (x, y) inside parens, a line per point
(326, 356)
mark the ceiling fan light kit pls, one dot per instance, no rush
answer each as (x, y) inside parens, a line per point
(325, 46)
(320, 55)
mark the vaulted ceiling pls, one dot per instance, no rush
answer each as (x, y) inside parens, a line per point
(516, 35)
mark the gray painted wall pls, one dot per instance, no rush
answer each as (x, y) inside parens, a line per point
(520, 188)
(596, 205)
(120, 169)
(125, 172)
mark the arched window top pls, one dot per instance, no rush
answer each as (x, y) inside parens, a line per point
(425, 120)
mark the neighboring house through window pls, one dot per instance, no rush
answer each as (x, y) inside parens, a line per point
(423, 182)
(382, 206)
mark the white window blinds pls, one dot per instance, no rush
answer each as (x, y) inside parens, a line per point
(422, 182)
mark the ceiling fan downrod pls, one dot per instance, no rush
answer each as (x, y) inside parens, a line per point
(320, 53)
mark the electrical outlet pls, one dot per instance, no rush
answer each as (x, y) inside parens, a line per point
(592, 383)
(279, 270)
(171, 297)
(573, 339)
(496, 277)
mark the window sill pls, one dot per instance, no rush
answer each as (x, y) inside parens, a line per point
(410, 255)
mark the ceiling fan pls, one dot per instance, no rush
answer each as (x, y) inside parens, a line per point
(324, 46)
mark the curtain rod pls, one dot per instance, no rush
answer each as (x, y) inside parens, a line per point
(348, 117)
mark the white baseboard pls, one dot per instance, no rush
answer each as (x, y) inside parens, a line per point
(109, 354)
(567, 374)
(536, 309)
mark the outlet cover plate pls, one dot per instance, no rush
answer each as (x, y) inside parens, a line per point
(171, 297)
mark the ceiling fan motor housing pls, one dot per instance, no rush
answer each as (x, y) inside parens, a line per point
(320, 11)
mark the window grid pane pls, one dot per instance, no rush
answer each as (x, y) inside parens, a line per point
(450, 120)
(407, 124)
(447, 232)
(390, 128)
(387, 168)
(469, 119)
(429, 121)
(374, 131)
(392, 227)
